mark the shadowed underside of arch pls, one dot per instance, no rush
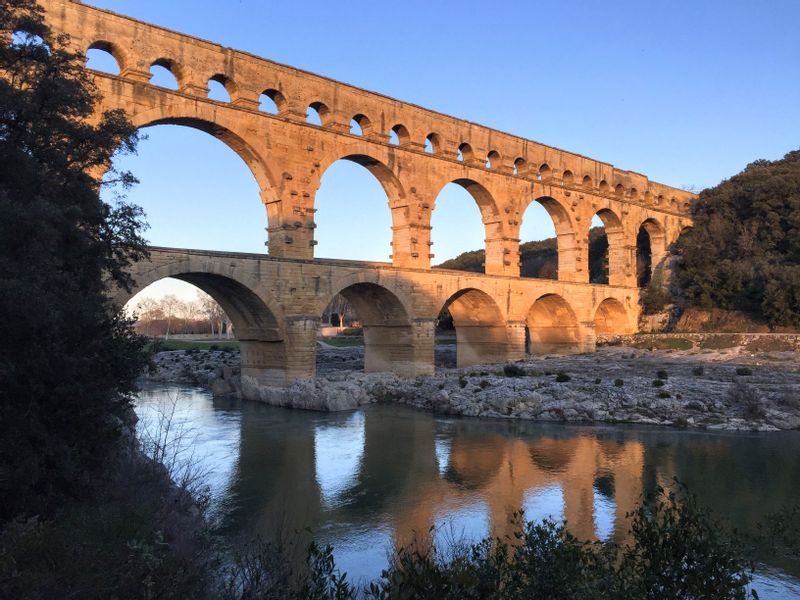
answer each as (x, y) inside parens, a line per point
(263, 348)
(553, 326)
(481, 332)
(388, 335)
(611, 318)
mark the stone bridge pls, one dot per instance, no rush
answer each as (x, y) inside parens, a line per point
(276, 300)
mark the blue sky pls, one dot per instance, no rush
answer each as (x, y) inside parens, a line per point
(685, 92)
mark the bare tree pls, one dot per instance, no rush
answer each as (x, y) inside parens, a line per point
(212, 311)
(170, 305)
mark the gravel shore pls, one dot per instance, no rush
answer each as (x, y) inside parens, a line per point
(706, 388)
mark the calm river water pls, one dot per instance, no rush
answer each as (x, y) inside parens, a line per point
(363, 481)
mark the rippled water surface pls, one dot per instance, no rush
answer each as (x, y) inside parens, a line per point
(365, 481)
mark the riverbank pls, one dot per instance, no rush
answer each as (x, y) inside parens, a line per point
(724, 388)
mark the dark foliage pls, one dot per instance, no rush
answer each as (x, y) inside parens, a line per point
(67, 361)
(677, 551)
(744, 251)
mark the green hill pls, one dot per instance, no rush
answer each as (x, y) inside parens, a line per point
(540, 258)
(743, 253)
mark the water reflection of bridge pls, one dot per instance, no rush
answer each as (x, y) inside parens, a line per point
(407, 474)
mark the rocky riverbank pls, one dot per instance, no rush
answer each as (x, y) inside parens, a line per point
(700, 387)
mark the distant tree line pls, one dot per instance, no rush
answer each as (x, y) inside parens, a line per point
(170, 315)
(540, 258)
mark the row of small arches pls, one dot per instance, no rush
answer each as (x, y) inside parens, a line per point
(105, 56)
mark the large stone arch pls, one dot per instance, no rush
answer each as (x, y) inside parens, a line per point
(205, 118)
(611, 318)
(385, 318)
(395, 192)
(256, 323)
(618, 256)
(552, 326)
(565, 235)
(649, 258)
(481, 328)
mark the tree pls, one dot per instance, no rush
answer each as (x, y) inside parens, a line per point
(170, 306)
(212, 311)
(68, 360)
(744, 250)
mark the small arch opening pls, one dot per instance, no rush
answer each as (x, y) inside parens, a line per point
(220, 88)
(163, 73)
(399, 135)
(603, 186)
(567, 177)
(26, 39)
(619, 190)
(465, 153)
(317, 114)
(493, 159)
(544, 172)
(519, 167)
(100, 56)
(587, 182)
(433, 143)
(359, 125)
(272, 102)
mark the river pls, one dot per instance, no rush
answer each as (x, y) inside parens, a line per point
(365, 480)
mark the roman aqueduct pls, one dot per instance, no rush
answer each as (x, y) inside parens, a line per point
(276, 299)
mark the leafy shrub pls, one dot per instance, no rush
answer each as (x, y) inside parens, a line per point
(619, 382)
(562, 377)
(698, 371)
(663, 394)
(462, 381)
(744, 371)
(662, 374)
(512, 370)
(484, 384)
(658, 383)
(597, 381)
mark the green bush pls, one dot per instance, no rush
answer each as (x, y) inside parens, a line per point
(512, 370)
(562, 377)
(677, 551)
(597, 381)
(698, 371)
(744, 371)
(663, 394)
(619, 382)
(658, 383)
(662, 374)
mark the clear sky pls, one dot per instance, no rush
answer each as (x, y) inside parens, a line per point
(686, 92)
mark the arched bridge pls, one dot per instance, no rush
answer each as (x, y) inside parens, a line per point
(276, 300)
